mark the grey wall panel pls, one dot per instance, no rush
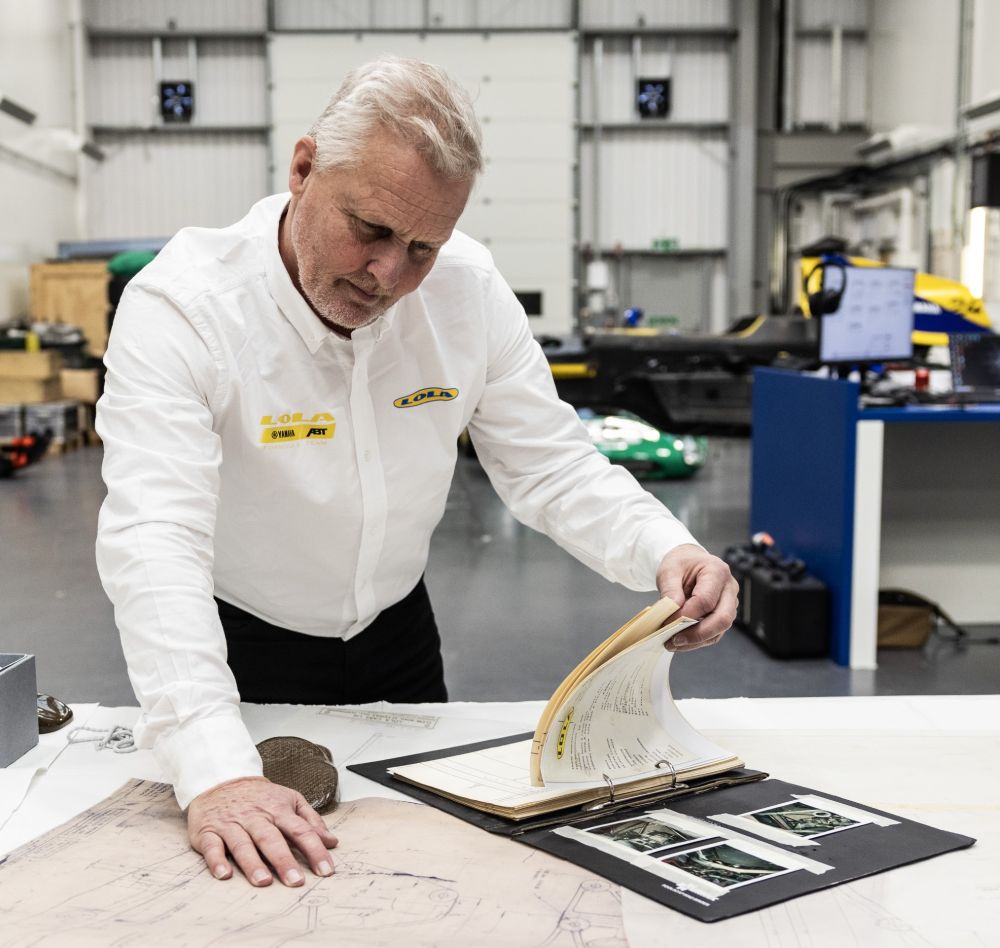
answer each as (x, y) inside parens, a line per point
(483, 14)
(820, 14)
(193, 15)
(179, 59)
(418, 14)
(677, 288)
(985, 72)
(814, 81)
(120, 85)
(348, 14)
(229, 77)
(812, 73)
(150, 186)
(914, 70)
(654, 13)
(699, 71)
(855, 91)
(658, 186)
(39, 207)
(232, 82)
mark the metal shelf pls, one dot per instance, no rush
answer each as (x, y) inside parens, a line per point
(179, 129)
(682, 252)
(669, 32)
(825, 32)
(655, 125)
(175, 34)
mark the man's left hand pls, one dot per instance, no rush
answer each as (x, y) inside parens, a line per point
(703, 587)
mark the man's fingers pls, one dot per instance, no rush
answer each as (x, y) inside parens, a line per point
(244, 852)
(303, 809)
(273, 846)
(213, 851)
(259, 822)
(301, 834)
(708, 590)
(691, 642)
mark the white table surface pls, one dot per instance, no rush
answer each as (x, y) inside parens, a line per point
(932, 759)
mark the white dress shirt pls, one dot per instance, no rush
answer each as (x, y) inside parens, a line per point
(252, 453)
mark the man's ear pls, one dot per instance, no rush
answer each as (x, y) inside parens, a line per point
(303, 162)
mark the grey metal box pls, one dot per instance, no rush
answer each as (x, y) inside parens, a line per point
(11, 421)
(61, 418)
(18, 706)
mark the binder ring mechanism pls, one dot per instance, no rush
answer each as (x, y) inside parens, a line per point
(660, 765)
(663, 765)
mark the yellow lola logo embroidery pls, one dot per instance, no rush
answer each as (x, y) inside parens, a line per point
(424, 395)
(294, 426)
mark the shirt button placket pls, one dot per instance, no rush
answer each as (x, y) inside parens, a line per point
(373, 495)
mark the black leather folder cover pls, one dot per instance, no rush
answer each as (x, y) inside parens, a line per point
(853, 851)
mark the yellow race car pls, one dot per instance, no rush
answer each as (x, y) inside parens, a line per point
(941, 307)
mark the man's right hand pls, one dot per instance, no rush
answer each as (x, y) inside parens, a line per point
(257, 822)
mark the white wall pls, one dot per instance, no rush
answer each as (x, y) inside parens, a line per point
(914, 64)
(39, 207)
(522, 84)
(985, 72)
(157, 179)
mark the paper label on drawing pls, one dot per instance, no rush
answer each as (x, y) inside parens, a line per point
(388, 718)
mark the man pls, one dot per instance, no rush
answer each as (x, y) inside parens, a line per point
(280, 419)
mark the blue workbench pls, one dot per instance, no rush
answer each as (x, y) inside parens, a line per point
(876, 497)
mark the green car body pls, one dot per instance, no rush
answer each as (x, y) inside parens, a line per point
(646, 451)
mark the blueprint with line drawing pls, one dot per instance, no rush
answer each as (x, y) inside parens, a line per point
(122, 874)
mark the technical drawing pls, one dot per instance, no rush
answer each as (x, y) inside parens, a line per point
(122, 874)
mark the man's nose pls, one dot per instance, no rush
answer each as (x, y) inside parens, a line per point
(388, 265)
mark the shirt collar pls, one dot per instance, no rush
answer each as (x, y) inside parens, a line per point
(291, 302)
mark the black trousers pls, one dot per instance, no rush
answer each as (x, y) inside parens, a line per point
(397, 658)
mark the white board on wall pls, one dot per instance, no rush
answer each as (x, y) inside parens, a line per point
(524, 88)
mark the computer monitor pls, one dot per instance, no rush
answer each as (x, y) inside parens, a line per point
(975, 364)
(874, 321)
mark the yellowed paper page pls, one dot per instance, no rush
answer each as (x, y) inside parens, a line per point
(498, 776)
(622, 723)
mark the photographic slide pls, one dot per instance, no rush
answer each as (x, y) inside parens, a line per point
(636, 839)
(725, 865)
(643, 834)
(803, 819)
(690, 854)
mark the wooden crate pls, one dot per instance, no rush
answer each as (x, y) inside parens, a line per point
(73, 293)
(83, 385)
(29, 391)
(19, 364)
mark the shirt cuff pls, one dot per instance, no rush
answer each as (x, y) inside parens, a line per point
(655, 542)
(206, 752)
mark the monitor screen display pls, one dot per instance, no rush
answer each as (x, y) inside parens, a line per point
(975, 362)
(874, 321)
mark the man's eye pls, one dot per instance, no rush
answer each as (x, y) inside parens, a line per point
(422, 250)
(371, 231)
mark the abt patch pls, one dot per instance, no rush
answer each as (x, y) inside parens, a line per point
(424, 395)
(294, 426)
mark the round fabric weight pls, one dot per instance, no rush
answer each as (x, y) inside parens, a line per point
(299, 764)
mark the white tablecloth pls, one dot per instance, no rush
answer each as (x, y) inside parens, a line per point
(932, 759)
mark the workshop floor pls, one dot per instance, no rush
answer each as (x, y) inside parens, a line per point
(515, 612)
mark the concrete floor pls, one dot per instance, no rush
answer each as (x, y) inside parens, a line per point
(515, 612)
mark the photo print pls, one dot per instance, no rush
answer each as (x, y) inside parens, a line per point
(725, 865)
(803, 819)
(643, 834)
